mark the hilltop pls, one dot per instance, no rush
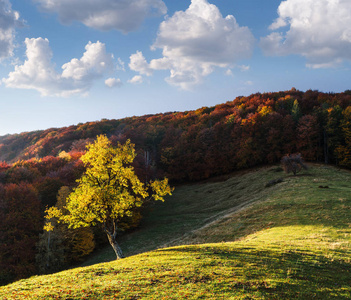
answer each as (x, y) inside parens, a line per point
(237, 238)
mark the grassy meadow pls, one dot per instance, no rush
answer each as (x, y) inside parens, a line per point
(230, 238)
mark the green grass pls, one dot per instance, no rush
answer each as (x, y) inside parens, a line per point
(245, 241)
(190, 208)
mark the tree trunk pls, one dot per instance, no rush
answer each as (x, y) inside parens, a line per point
(115, 246)
(48, 250)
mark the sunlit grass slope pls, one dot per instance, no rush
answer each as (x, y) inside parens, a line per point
(190, 208)
(292, 242)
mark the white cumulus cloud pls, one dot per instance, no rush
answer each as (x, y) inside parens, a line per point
(113, 82)
(319, 30)
(194, 42)
(94, 63)
(9, 20)
(139, 64)
(137, 79)
(38, 71)
(122, 15)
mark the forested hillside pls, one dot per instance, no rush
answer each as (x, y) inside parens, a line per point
(39, 168)
(193, 145)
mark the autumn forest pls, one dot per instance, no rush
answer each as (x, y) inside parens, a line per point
(39, 169)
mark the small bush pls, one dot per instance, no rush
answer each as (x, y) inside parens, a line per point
(293, 163)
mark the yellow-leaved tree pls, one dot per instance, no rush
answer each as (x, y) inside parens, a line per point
(108, 190)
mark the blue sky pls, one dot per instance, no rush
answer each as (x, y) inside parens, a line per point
(71, 61)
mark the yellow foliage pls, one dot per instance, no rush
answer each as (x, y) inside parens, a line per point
(64, 155)
(109, 190)
(78, 242)
(53, 214)
(161, 189)
(265, 110)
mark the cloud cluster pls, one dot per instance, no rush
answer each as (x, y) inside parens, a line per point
(318, 30)
(194, 42)
(122, 15)
(9, 20)
(38, 71)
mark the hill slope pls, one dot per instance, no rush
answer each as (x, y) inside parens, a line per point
(288, 241)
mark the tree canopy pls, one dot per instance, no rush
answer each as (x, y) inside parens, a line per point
(108, 191)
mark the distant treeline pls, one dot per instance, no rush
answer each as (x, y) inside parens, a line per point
(184, 146)
(194, 145)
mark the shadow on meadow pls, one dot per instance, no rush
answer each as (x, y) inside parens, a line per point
(272, 274)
